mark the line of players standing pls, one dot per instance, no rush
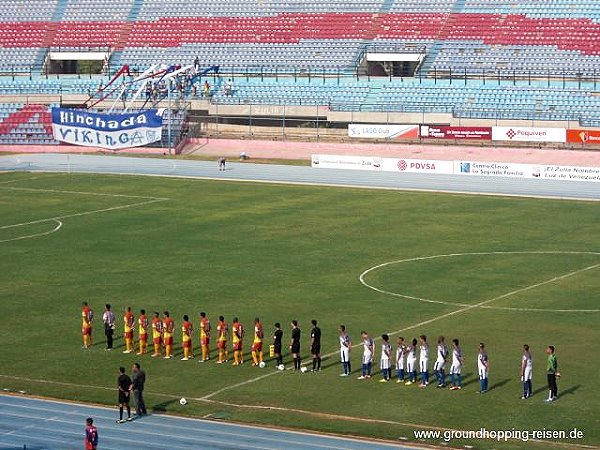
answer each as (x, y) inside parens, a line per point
(163, 328)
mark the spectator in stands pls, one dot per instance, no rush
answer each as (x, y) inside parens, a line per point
(162, 89)
(206, 89)
(228, 87)
(148, 90)
(180, 89)
(197, 64)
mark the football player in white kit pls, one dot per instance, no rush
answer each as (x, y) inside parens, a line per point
(526, 371)
(368, 354)
(345, 345)
(455, 368)
(483, 365)
(385, 360)
(411, 362)
(440, 362)
(424, 361)
(401, 352)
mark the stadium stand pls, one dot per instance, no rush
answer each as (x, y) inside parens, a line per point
(482, 40)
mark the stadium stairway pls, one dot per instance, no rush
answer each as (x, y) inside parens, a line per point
(434, 50)
(59, 12)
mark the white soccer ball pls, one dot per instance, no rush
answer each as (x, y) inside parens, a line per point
(303, 369)
(262, 365)
(183, 401)
(280, 367)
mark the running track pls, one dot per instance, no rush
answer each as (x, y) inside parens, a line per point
(34, 424)
(301, 175)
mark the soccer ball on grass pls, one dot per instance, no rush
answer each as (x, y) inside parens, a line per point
(182, 401)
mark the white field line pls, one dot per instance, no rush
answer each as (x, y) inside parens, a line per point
(58, 219)
(29, 236)
(451, 255)
(417, 325)
(101, 194)
(27, 179)
(84, 213)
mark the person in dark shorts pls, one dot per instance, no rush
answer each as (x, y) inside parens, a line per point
(124, 386)
(109, 326)
(552, 374)
(295, 344)
(315, 345)
(138, 379)
(277, 338)
(221, 164)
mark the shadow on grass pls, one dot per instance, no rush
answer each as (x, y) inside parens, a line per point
(163, 407)
(499, 384)
(569, 391)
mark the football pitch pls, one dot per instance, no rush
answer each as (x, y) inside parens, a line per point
(504, 271)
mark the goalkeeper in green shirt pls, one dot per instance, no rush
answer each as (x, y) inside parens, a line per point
(553, 374)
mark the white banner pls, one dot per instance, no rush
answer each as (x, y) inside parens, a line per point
(467, 168)
(346, 162)
(417, 165)
(571, 173)
(529, 134)
(375, 131)
(497, 169)
(112, 131)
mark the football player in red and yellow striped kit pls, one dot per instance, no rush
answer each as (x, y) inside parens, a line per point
(128, 324)
(142, 332)
(157, 333)
(87, 317)
(187, 331)
(223, 333)
(237, 336)
(168, 328)
(204, 337)
(257, 343)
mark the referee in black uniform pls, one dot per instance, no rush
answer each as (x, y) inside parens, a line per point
(277, 336)
(315, 345)
(124, 385)
(295, 344)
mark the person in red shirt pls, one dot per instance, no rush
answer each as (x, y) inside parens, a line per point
(168, 328)
(186, 338)
(237, 336)
(128, 324)
(142, 332)
(257, 343)
(87, 317)
(91, 435)
(223, 332)
(157, 332)
(204, 337)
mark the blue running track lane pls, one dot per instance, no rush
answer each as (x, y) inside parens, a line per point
(267, 173)
(35, 424)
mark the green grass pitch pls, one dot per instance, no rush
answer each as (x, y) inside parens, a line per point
(289, 252)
